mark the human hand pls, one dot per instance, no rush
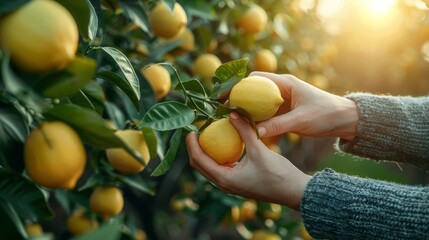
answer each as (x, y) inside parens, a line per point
(309, 111)
(261, 174)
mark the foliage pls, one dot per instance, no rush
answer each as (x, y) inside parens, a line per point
(103, 90)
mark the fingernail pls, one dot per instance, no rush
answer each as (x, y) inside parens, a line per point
(234, 115)
(262, 131)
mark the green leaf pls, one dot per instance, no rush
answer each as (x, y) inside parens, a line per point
(8, 6)
(109, 230)
(84, 14)
(91, 127)
(115, 114)
(135, 182)
(126, 69)
(11, 226)
(27, 199)
(123, 84)
(20, 89)
(221, 88)
(193, 86)
(168, 116)
(151, 141)
(90, 96)
(136, 13)
(69, 81)
(235, 68)
(167, 162)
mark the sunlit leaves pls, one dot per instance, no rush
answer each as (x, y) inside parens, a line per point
(168, 116)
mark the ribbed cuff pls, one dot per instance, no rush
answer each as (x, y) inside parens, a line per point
(390, 128)
(337, 206)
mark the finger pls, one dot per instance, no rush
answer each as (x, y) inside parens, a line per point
(202, 161)
(278, 125)
(248, 135)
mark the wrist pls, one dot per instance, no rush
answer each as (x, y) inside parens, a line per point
(348, 117)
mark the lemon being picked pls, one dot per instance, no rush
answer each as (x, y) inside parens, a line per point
(159, 79)
(166, 23)
(106, 201)
(257, 95)
(221, 141)
(54, 155)
(41, 36)
(122, 160)
(253, 21)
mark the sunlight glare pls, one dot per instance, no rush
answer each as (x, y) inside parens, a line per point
(378, 7)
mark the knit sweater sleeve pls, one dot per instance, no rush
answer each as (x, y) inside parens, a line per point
(391, 128)
(337, 206)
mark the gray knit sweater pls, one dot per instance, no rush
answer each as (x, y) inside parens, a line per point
(338, 206)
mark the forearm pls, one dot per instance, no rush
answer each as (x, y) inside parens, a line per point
(391, 128)
(337, 206)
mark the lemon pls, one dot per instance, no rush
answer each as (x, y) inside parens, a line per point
(205, 66)
(265, 61)
(122, 160)
(166, 23)
(41, 36)
(33, 229)
(186, 38)
(54, 155)
(221, 141)
(253, 21)
(159, 79)
(258, 95)
(265, 235)
(274, 212)
(78, 223)
(106, 201)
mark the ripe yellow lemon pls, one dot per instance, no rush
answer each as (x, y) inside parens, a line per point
(41, 36)
(159, 78)
(122, 160)
(265, 235)
(253, 21)
(265, 61)
(186, 38)
(54, 155)
(166, 23)
(274, 212)
(106, 201)
(78, 223)
(33, 229)
(221, 141)
(258, 95)
(205, 66)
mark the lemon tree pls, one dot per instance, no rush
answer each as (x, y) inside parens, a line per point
(96, 98)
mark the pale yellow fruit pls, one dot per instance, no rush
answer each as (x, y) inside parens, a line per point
(166, 23)
(221, 141)
(265, 235)
(140, 235)
(41, 36)
(293, 138)
(274, 212)
(253, 21)
(245, 212)
(54, 155)
(33, 229)
(78, 223)
(205, 66)
(187, 40)
(265, 61)
(158, 78)
(106, 201)
(124, 162)
(257, 95)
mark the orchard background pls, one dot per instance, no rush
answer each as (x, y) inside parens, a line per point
(340, 46)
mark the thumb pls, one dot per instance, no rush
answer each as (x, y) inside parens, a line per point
(248, 135)
(278, 125)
